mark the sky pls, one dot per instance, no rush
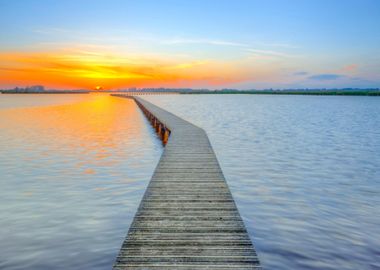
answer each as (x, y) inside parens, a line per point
(118, 44)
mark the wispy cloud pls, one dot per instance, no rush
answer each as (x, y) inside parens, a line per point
(53, 30)
(187, 65)
(277, 45)
(283, 45)
(301, 73)
(89, 68)
(205, 41)
(350, 68)
(326, 77)
(270, 53)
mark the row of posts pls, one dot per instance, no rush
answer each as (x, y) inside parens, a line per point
(150, 93)
(162, 130)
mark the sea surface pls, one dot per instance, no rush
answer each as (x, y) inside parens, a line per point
(73, 169)
(304, 171)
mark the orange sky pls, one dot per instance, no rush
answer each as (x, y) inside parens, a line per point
(75, 69)
(199, 44)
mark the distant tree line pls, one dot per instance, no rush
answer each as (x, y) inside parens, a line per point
(324, 91)
(362, 92)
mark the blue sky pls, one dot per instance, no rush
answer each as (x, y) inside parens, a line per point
(244, 44)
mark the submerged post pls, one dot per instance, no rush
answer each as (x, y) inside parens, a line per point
(187, 218)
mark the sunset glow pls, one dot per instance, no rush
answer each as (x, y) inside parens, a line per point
(85, 69)
(201, 44)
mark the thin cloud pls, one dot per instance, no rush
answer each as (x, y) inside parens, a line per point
(284, 45)
(278, 45)
(301, 73)
(188, 65)
(326, 77)
(269, 53)
(85, 69)
(205, 41)
(53, 30)
(350, 68)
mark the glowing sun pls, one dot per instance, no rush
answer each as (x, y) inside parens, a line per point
(98, 87)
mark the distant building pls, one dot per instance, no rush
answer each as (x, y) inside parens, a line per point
(35, 88)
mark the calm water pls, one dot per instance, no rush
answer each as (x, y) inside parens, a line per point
(72, 175)
(303, 170)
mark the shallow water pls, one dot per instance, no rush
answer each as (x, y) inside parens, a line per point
(304, 171)
(73, 171)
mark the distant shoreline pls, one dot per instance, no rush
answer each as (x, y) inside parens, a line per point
(312, 93)
(219, 92)
(47, 92)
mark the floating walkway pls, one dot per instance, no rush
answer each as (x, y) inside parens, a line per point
(187, 218)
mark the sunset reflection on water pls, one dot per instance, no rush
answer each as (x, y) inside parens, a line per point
(93, 129)
(72, 177)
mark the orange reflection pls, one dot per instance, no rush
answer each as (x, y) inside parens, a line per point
(93, 131)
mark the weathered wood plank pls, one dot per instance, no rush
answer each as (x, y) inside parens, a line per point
(187, 218)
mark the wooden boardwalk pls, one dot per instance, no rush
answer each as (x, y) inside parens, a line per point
(187, 218)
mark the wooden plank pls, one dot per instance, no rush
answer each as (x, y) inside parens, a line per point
(187, 218)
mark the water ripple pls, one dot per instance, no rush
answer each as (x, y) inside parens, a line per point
(304, 171)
